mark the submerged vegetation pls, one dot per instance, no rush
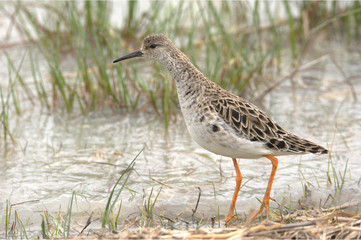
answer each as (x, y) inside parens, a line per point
(66, 65)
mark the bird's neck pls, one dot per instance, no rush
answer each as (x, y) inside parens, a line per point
(191, 84)
(186, 74)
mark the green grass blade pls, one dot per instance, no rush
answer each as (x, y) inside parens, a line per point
(67, 220)
(110, 205)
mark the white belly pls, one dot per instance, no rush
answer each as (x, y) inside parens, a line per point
(226, 143)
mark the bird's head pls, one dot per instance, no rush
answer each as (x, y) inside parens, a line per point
(157, 47)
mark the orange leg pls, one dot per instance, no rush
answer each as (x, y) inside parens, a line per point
(267, 197)
(236, 191)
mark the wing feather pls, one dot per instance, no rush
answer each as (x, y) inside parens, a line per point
(253, 124)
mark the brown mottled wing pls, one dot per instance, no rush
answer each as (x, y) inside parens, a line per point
(255, 125)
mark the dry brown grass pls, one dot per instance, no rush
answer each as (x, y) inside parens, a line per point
(305, 225)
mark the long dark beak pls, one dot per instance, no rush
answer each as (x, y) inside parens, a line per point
(130, 55)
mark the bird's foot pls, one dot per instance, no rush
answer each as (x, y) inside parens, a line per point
(228, 219)
(265, 204)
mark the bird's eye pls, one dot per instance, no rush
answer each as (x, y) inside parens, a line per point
(153, 45)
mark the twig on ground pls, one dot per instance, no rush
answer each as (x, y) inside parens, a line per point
(199, 197)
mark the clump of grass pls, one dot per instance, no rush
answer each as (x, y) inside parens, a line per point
(60, 225)
(147, 213)
(233, 43)
(14, 227)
